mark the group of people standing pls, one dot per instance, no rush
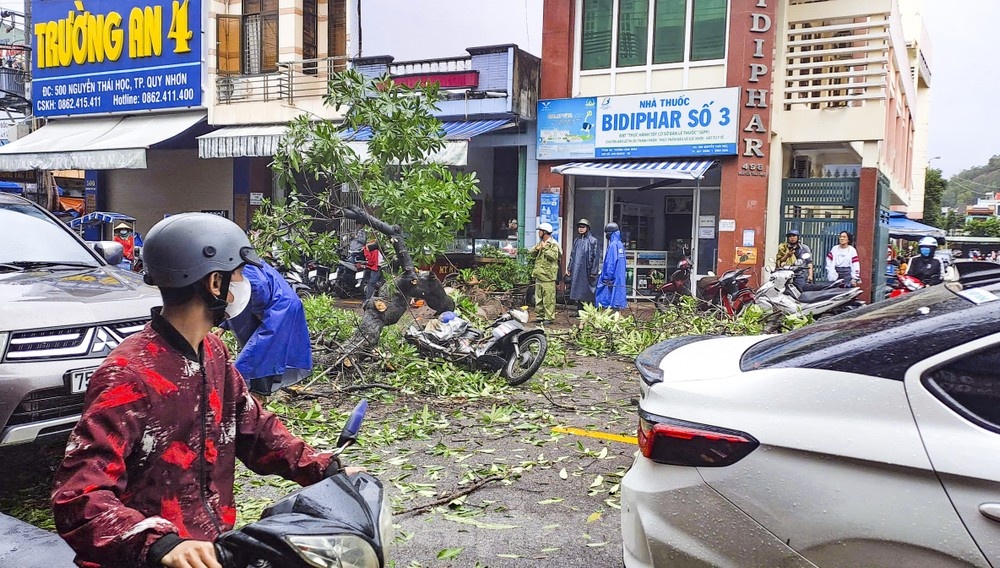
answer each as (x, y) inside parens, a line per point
(590, 279)
(844, 264)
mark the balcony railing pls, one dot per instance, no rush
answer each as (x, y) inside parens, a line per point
(445, 65)
(836, 63)
(308, 78)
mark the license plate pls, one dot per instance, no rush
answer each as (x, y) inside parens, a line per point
(79, 378)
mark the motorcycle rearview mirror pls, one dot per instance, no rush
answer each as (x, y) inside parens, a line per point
(349, 434)
(806, 256)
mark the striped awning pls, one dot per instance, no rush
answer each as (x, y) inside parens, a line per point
(453, 130)
(661, 169)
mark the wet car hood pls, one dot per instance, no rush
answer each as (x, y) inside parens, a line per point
(47, 297)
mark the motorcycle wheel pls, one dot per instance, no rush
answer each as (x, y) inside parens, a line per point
(520, 368)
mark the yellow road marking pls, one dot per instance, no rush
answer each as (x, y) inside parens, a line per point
(599, 435)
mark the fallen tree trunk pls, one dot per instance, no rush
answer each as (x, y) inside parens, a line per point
(385, 310)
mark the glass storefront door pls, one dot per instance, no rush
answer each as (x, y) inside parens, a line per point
(659, 227)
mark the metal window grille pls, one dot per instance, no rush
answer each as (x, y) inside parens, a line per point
(252, 47)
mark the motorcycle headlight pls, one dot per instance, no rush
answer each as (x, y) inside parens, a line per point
(342, 551)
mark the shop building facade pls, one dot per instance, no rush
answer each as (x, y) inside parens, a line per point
(182, 107)
(719, 125)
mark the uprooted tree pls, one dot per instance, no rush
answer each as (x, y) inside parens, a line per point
(418, 205)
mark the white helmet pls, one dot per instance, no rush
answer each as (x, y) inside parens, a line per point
(928, 242)
(547, 227)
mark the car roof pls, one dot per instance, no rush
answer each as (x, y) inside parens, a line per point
(10, 198)
(886, 338)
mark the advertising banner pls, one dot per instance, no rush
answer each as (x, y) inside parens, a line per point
(654, 125)
(109, 56)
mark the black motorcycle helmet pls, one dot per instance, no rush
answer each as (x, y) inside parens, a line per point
(611, 227)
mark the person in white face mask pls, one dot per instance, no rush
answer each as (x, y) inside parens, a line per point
(269, 323)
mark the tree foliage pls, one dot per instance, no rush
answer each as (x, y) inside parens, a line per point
(934, 188)
(394, 173)
(983, 227)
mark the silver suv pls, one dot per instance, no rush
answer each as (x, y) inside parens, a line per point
(63, 307)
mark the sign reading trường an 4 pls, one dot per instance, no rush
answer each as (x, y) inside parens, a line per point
(108, 56)
(700, 122)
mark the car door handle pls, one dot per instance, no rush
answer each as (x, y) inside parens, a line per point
(990, 511)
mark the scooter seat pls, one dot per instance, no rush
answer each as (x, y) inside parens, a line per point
(822, 295)
(807, 287)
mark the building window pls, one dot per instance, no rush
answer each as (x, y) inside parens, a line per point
(310, 31)
(228, 60)
(260, 36)
(337, 34)
(681, 31)
(596, 34)
(633, 32)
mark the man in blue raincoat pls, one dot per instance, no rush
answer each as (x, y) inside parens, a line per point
(611, 290)
(272, 333)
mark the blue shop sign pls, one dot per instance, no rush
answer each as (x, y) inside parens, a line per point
(107, 56)
(700, 122)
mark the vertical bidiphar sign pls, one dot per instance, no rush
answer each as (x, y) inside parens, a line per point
(111, 56)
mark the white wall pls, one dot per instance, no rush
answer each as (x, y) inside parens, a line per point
(428, 29)
(174, 181)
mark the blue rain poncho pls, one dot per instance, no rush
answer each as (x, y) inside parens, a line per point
(611, 290)
(272, 331)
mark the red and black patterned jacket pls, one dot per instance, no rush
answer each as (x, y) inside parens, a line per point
(155, 452)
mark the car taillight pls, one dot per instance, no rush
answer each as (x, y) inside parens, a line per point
(678, 442)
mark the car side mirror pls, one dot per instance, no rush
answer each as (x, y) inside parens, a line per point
(111, 251)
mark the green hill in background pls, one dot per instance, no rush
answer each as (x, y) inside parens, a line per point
(969, 185)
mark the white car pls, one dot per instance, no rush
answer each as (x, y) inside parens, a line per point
(870, 439)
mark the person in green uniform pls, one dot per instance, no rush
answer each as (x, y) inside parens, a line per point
(546, 255)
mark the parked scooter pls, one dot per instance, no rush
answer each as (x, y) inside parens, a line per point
(347, 278)
(508, 348)
(675, 287)
(780, 295)
(344, 520)
(729, 293)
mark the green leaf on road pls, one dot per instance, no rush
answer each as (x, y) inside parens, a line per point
(550, 501)
(595, 516)
(449, 553)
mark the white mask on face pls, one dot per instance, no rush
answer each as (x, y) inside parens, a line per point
(241, 292)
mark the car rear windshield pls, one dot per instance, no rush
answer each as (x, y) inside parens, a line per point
(883, 339)
(29, 235)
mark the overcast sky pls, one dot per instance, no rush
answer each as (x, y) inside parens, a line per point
(964, 128)
(965, 82)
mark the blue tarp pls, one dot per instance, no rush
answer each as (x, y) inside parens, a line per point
(901, 227)
(10, 187)
(100, 217)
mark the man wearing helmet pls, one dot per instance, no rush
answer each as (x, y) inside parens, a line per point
(584, 265)
(794, 249)
(546, 256)
(147, 478)
(611, 292)
(924, 266)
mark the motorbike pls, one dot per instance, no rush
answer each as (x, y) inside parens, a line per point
(904, 285)
(296, 277)
(729, 293)
(675, 287)
(347, 278)
(344, 520)
(505, 346)
(780, 294)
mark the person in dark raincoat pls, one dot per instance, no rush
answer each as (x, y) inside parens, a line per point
(584, 265)
(275, 351)
(611, 290)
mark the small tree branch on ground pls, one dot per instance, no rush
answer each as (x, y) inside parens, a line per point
(450, 497)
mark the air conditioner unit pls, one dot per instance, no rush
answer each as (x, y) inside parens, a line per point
(801, 167)
(233, 89)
